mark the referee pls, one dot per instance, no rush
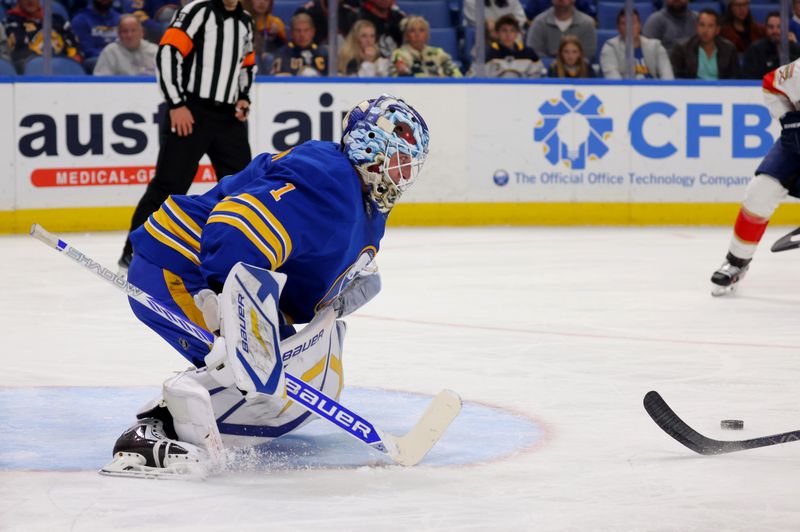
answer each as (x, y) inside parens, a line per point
(206, 66)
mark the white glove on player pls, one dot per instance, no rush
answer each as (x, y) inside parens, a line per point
(208, 303)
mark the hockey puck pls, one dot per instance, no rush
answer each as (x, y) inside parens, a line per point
(732, 424)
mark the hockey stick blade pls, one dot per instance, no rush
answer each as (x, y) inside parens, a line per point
(788, 241)
(670, 423)
(410, 449)
(405, 450)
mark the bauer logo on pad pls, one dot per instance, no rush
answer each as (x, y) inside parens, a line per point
(573, 129)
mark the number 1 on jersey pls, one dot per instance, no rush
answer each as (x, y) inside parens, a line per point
(278, 192)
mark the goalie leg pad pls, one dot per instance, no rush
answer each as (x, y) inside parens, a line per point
(314, 355)
(193, 417)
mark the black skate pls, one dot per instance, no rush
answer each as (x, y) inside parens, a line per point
(727, 277)
(144, 451)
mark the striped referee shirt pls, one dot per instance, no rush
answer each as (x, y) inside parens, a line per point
(207, 52)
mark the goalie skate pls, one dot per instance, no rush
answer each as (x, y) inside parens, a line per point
(143, 451)
(727, 277)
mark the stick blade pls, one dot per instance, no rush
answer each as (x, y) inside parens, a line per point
(410, 449)
(786, 242)
(669, 422)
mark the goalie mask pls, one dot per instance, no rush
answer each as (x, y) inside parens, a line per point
(387, 142)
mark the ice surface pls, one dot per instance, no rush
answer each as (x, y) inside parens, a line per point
(567, 327)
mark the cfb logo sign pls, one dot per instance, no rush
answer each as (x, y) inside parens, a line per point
(574, 129)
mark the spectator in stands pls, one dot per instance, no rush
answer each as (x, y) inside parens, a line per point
(318, 11)
(269, 32)
(386, 17)
(507, 57)
(301, 56)
(95, 26)
(534, 7)
(794, 22)
(672, 23)
(155, 15)
(131, 55)
(762, 55)
(493, 10)
(24, 30)
(738, 25)
(570, 61)
(707, 55)
(545, 33)
(416, 58)
(650, 59)
(359, 55)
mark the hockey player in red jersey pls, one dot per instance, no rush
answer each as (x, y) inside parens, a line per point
(776, 177)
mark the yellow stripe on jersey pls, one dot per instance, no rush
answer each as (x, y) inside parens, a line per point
(281, 155)
(256, 219)
(246, 231)
(183, 217)
(276, 225)
(184, 299)
(166, 221)
(169, 242)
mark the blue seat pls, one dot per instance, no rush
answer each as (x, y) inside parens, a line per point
(761, 11)
(285, 9)
(447, 39)
(62, 66)
(7, 68)
(59, 9)
(2, 13)
(699, 6)
(607, 13)
(436, 12)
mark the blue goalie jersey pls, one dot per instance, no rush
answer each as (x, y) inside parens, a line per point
(300, 212)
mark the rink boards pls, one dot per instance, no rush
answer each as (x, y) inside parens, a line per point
(77, 155)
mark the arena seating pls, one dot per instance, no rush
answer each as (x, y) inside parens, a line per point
(607, 13)
(62, 66)
(6, 68)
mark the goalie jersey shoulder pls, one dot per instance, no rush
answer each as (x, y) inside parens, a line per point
(300, 212)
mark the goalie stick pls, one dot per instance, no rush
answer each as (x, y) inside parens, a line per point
(670, 423)
(407, 450)
(788, 241)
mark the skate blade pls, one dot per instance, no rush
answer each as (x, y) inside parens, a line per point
(719, 291)
(132, 466)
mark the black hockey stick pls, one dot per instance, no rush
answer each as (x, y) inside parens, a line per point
(789, 241)
(670, 423)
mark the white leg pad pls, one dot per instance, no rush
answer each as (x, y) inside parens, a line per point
(193, 416)
(763, 195)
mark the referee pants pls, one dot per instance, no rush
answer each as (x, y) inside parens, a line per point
(216, 132)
